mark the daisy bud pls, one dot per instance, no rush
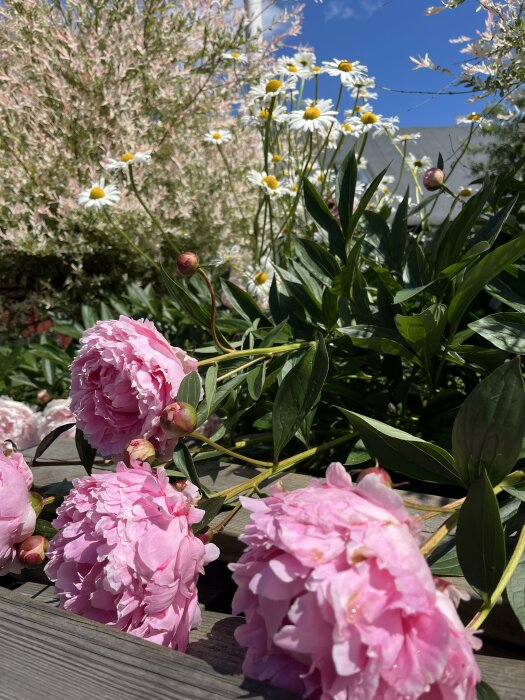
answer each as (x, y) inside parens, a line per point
(178, 419)
(32, 551)
(381, 473)
(433, 179)
(139, 450)
(37, 502)
(187, 264)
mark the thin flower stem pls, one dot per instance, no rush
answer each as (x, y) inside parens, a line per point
(267, 133)
(433, 541)
(434, 510)
(230, 453)
(234, 491)
(232, 185)
(124, 235)
(240, 368)
(151, 215)
(213, 318)
(214, 530)
(362, 147)
(486, 608)
(232, 354)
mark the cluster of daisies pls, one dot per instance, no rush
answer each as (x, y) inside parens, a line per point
(100, 194)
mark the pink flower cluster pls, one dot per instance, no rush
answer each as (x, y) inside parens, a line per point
(25, 427)
(126, 555)
(17, 517)
(339, 602)
(125, 373)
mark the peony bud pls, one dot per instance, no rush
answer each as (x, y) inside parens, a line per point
(139, 450)
(37, 502)
(43, 396)
(32, 551)
(8, 447)
(433, 179)
(178, 419)
(180, 484)
(381, 473)
(187, 264)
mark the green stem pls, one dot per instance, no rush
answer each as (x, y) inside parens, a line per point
(232, 185)
(267, 134)
(230, 453)
(240, 368)
(232, 354)
(124, 235)
(213, 318)
(486, 608)
(151, 215)
(362, 147)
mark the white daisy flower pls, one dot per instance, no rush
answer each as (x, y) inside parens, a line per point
(474, 118)
(99, 195)
(349, 72)
(402, 138)
(425, 62)
(287, 65)
(466, 192)
(271, 88)
(235, 56)
(127, 159)
(371, 121)
(269, 183)
(305, 62)
(417, 163)
(319, 177)
(259, 117)
(316, 116)
(259, 280)
(218, 137)
(362, 89)
(229, 257)
(351, 129)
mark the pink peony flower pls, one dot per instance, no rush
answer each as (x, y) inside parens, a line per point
(57, 412)
(17, 517)
(18, 422)
(339, 601)
(126, 555)
(123, 376)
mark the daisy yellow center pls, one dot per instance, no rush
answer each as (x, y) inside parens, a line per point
(315, 69)
(276, 158)
(234, 54)
(346, 127)
(294, 188)
(291, 67)
(345, 66)
(97, 193)
(312, 113)
(273, 86)
(369, 118)
(473, 117)
(216, 136)
(418, 164)
(271, 181)
(264, 114)
(126, 157)
(465, 192)
(261, 278)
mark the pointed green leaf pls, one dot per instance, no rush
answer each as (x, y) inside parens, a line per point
(212, 508)
(86, 453)
(378, 339)
(505, 330)
(320, 213)
(423, 332)
(49, 439)
(243, 303)
(485, 692)
(516, 591)
(210, 385)
(190, 389)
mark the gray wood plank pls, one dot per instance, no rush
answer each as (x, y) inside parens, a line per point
(48, 653)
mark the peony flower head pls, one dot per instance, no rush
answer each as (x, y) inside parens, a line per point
(125, 373)
(339, 601)
(126, 555)
(17, 517)
(18, 423)
(56, 413)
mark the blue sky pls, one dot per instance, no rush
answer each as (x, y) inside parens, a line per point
(382, 34)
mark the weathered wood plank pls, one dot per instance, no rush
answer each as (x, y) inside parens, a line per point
(48, 653)
(81, 642)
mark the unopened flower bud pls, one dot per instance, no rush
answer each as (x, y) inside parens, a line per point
(178, 419)
(37, 502)
(187, 264)
(139, 450)
(43, 396)
(381, 473)
(433, 179)
(180, 484)
(32, 551)
(8, 448)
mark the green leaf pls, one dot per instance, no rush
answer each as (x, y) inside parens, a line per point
(505, 330)
(320, 213)
(89, 315)
(423, 331)
(378, 339)
(183, 461)
(42, 527)
(49, 439)
(480, 540)
(403, 452)
(279, 333)
(490, 425)
(255, 381)
(485, 692)
(317, 260)
(481, 274)
(447, 565)
(298, 391)
(330, 309)
(197, 310)
(502, 292)
(86, 453)
(516, 489)
(399, 236)
(363, 203)
(219, 397)
(345, 188)
(210, 385)
(190, 389)
(243, 303)
(211, 507)
(516, 591)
